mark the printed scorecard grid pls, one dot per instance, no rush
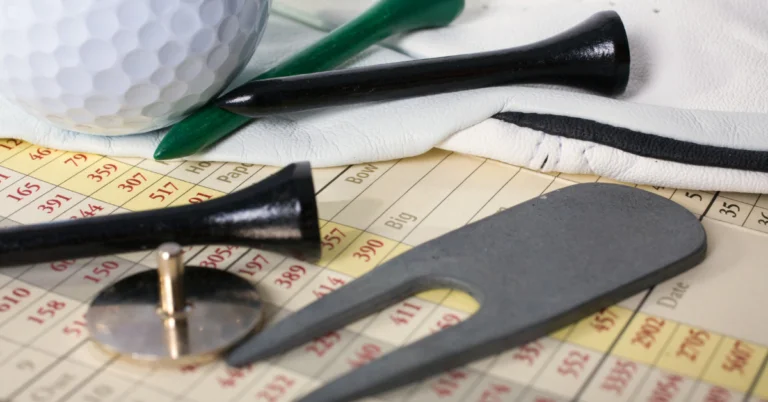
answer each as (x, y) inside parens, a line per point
(693, 338)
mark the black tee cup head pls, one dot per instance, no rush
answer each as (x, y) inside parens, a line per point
(278, 213)
(534, 268)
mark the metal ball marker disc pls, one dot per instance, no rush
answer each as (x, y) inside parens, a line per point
(175, 314)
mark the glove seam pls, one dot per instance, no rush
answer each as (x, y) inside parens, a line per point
(638, 143)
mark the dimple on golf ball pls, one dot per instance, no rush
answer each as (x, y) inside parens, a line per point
(116, 67)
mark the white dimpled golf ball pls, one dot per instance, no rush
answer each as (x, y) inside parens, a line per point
(115, 67)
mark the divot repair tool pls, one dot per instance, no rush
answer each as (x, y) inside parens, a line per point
(534, 268)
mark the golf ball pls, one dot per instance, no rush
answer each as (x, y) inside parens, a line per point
(116, 67)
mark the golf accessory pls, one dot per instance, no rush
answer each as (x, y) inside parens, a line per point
(593, 55)
(534, 268)
(174, 314)
(386, 18)
(114, 67)
(278, 213)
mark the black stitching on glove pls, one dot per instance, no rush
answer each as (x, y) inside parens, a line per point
(639, 143)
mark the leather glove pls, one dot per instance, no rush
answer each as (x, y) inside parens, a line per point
(695, 114)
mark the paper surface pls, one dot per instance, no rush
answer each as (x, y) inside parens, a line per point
(698, 337)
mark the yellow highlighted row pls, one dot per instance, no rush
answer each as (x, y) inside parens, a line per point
(671, 346)
(354, 252)
(692, 352)
(65, 166)
(10, 147)
(96, 176)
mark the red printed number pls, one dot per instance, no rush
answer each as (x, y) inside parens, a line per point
(9, 300)
(76, 328)
(102, 172)
(619, 377)
(604, 320)
(92, 209)
(78, 157)
(494, 393)
(448, 320)
(691, 346)
(322, 345)
(365, 354)
(447, 384)
(293, 274)
(53, 204)
(366, 252)
(646, 335)
(103, 270)
(718, 394)
(331, 284)
(256, 264)
(133, 182)
(62, 266)
(167, 189)
(738, 357)
(10, 144)
(529, 353)
(39, 154)
(24, 191)
(218, 256)
(234, 374)
(49, 310)
(200, 197)
(404, 314)
(573, 364)
(666, 389)
(333, 239)
(276, 388)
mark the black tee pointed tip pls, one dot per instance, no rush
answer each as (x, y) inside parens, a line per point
(236, 103)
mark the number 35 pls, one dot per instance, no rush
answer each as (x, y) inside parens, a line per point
(728, 209)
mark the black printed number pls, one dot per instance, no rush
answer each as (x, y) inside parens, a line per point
(763, 221)
(693, 195)
(729, 209)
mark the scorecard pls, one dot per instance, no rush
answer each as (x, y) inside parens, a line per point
(698, 337)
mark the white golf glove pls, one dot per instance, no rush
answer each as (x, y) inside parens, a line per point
(695, 114)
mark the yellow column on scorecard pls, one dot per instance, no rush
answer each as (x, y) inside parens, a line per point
(127, 186)
(761, 388)
(335, 238)
(735, 364)
(10, 147)
(197, 195)
(644, 338)
(435, 296)
(461, 301)
(31, 159)
(65, 166)
(688, 351)
(159, 195)
(562, 333)
(96, 176)
(365, 253)
(598, 331)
